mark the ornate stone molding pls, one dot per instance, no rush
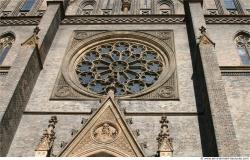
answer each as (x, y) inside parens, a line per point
(204, 39)
(126, 4)
(4, 70)
(8, 21)
(165, 88)
(106, 132)
(32, 40)
(223, 19)
(165, 147)
(118, 19)
(235, 70)
(131, 19)
(45, 145)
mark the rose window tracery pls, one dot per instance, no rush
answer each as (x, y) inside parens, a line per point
(128, 66)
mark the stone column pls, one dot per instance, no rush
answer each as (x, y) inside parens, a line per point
(22, 76)
(216, 126)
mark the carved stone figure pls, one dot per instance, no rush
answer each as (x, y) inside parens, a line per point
(106, 132)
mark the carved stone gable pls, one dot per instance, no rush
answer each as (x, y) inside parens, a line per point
(106, 132)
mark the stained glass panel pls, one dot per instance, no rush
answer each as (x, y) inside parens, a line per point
(130, 67)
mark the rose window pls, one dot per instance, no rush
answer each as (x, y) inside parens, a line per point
(130, 67)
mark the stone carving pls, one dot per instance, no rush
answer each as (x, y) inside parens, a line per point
(166, 91)
(45, 145)
(130, 66)
(235, 71)
(126, 5)
(165, 147)
(80, 35)
(124, 20)
(204, 39)
(32, 40)
(143, 18)
(227, 20)
(212, 11)
(105, 132)
(19, 21)
(63, 91)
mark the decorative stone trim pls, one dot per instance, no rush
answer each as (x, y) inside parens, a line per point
(123, 19)
(4, 70)
(44, 148)
(235, 70)
(118, 19)
(215, 19)
(7, 21)
(165, 142)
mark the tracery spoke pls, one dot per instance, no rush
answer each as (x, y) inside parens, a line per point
(122, 78)
(131, 74)
(104, 74)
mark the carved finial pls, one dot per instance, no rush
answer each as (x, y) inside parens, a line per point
(36, 30)
(204, 38)
(44, 148)
(32, 40)
(165, 148)
(126, 6)
(203, 30)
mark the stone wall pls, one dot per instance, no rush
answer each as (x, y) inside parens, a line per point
(183, 114)
(223, 36)
(238, 94)
(237, 87)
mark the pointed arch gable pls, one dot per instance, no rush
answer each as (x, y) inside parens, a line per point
(91, 140)
(241, 32)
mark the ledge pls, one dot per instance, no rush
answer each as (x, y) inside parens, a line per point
(227, 19)
(235, 70)
(4, 70)
(124, 19)
(20, 20)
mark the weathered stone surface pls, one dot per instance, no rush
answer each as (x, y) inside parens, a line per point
(208, 119)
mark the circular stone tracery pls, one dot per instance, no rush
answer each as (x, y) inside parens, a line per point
(129, 66)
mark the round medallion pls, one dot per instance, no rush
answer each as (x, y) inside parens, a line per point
(166, 91)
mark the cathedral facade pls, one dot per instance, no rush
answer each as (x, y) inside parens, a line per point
(124, 78)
